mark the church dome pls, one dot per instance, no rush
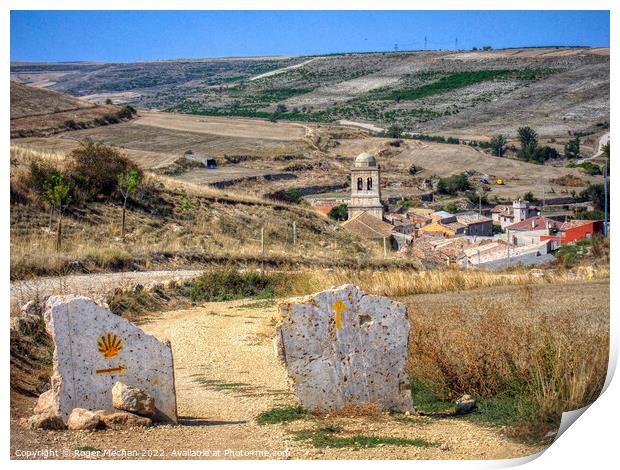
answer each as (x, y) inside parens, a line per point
(365, 159)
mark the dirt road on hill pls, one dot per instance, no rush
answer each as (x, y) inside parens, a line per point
(226, 374)
(89, 284)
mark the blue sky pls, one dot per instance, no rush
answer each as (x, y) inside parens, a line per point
(151, 35)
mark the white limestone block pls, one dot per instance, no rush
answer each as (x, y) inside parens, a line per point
(342, 347)
(94, 348)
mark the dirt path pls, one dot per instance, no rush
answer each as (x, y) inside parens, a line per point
(89, 284)
(282, 70)
(226, 374)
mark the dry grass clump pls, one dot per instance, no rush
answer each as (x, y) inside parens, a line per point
(403, 282)
(544, 364)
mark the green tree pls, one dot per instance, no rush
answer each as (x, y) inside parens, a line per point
(529, 196)
(128, 181)
(58, 193)
(453, 184)
(572, 148)
(339, 212)
(395, 131)
(529, 143)
(596, 193)
(498, 145)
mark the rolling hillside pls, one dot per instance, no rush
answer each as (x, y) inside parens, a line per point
(462, 93)
(41, 112)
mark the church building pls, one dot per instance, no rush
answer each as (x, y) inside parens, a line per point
(365, 187)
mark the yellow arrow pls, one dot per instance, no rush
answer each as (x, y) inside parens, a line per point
(339, 307)
(119, 369)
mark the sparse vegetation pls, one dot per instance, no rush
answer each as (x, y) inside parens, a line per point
(589, 167)
(282, 415)
(524, 370)
(328, 437)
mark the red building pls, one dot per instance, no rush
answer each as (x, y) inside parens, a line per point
(574, 230)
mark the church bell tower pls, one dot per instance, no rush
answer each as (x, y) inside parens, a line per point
(365, 188)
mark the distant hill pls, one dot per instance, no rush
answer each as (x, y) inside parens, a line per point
(554, 89)
(41, 112)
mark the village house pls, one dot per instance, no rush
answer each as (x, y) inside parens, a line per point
(541, 228)
(505, 215)
(574, 230)
(476, 224)
(420, 217)
(447, 229)
(402, 224)
(443, 216)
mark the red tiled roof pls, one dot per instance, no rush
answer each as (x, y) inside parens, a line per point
(368, 226)
(539, 223)
(576, 223)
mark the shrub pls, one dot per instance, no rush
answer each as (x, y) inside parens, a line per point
(453, 184)
(572, 148)
(590, 168)
(395, 131)
(292, 195)
(339, 212)
(95, 167)
(229, 284)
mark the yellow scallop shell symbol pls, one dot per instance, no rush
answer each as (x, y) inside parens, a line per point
(109, 345)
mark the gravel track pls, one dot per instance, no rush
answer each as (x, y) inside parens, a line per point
(226, 374)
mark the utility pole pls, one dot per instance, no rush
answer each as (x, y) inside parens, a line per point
(262, 241)
(479, 203)
(606, 208)
(508, 235)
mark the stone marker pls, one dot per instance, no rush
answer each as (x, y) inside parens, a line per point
(94, 349)
(342, 347)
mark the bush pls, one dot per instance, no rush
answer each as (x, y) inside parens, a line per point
(453, 184)
(339, 212)
(590, 168)
(94, 168)
(292, 195)
(395, 131)
(450, 207)
(230, 284)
